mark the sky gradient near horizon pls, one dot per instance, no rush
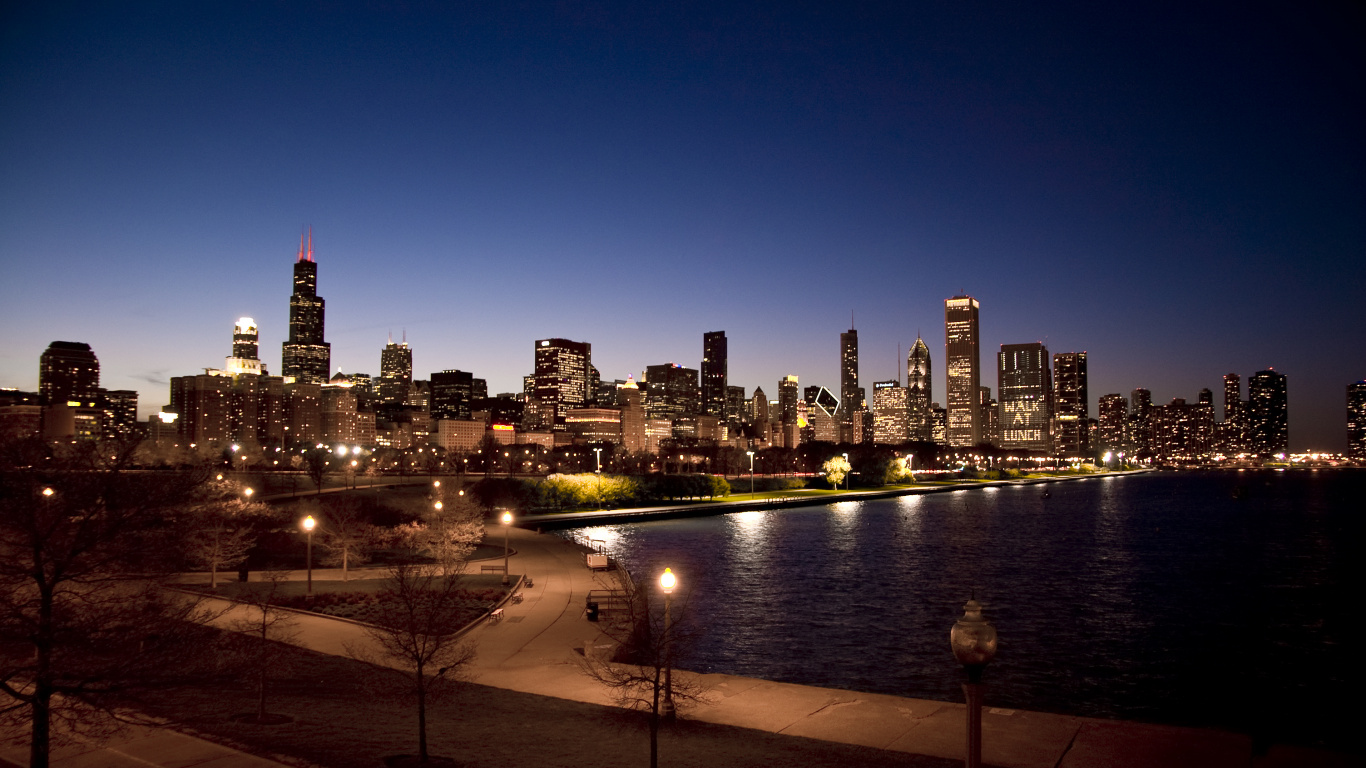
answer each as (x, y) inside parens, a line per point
(1176, 190)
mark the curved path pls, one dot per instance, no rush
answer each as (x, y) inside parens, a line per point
(536, 648)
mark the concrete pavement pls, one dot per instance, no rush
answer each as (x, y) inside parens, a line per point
(140, 747)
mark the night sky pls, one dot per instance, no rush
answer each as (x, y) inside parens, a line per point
(1176, 189)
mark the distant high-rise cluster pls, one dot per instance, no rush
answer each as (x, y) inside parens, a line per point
(1041, 405)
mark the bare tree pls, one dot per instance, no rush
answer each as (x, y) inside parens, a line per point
(647, 641)
(347, 537)
(420, 612)
(315, 464)
(270, 625)
(83, 546)
(448, 532)
(221, 527)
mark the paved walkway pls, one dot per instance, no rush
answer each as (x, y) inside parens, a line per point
(537, 646)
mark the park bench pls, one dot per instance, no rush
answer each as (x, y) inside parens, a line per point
(492, 569)
(497, 615)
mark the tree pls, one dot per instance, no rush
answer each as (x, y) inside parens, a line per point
(447, 532)
(221, 528)
(347, 537)
(83, 547)
(647, 644)
(836, 469)
(315, 464)
(415, 631)
(270, 625)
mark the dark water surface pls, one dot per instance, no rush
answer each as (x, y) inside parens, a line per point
(1215, 599)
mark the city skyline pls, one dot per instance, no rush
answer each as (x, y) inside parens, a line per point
(692, 183)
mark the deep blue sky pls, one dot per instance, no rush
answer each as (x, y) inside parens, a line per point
(1175, 188)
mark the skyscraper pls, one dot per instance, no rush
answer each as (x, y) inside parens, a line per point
(671, 391)
(1114, 410)
(1356, 420)
(1268, 422)
(1071, 404)
(561, 379)
(245, 358)
(452, 392)
(787, 399)
(395, 372)
(69, 374)
(963, 372)
(889, 413)
(306, 357)
(714, 374)
(850, 397)
(1026, 391)
(1140, 431)
(1234, 428)
(918, 391)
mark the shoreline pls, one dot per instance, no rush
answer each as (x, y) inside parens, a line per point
(590, 518)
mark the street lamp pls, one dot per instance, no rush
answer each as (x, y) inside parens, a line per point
(751, 473)
(974, 645)
(667, 582)
(849, 472)
(597, 452)
(309, 524)
(249, 492)
(507, 526)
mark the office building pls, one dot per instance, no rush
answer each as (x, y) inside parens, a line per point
(1025, 389)
(118, 413)
(939, 424)
(1356, 420)
(1268, 421)
(671, 391)
(735, 405)
(69, 374)
(452, 393)
(245, 357)
(561, 380)
(1071, 409)
(787, 400)
(991, 417)
(1112, 423)
(919, 393)
(714, 374)
(395, 372)
(890, 410)
(1140, 431)
(963, 372)
(1233, 429)
(307, 358)
(850, 396)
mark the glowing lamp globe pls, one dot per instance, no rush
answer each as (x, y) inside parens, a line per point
(310, 523)
(507, 518)
(973, 640)
(667, 581)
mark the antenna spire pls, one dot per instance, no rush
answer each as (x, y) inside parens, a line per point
(310, 242)
(301, 246)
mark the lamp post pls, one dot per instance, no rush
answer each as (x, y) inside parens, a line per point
(848, 473)
(507, 525)
(974, 645)
(751, 473)
(667, 582)
(597, 452)
(309, 525)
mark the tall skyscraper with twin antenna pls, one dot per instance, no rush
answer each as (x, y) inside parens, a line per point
(306, 357)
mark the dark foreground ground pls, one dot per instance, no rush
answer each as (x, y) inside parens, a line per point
(348, 714)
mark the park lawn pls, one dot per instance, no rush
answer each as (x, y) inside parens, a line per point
(349, 714)
(357, 599)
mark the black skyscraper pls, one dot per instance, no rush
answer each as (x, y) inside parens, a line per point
(1268, 414)
(69, 374)
(714, 374)
(306, 356)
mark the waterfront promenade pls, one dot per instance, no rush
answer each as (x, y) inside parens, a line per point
(537, 646)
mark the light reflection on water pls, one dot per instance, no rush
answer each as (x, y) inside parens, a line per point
(1125, 597)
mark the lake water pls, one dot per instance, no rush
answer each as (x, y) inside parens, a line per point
(1216, 599)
